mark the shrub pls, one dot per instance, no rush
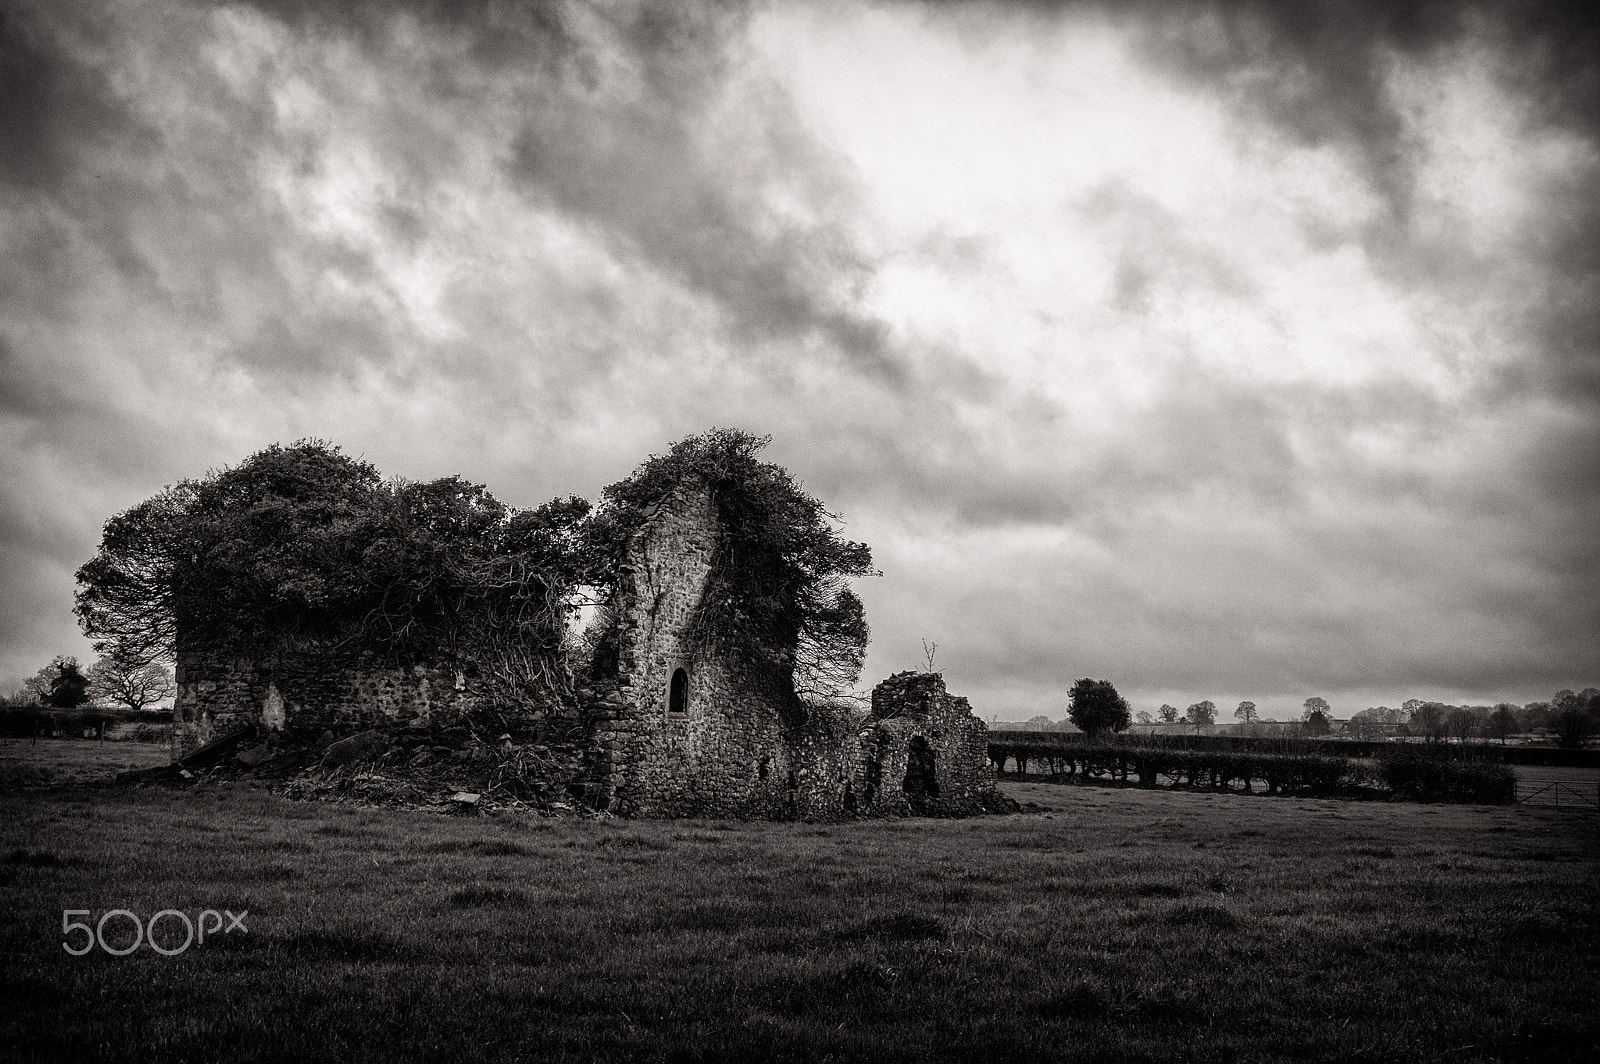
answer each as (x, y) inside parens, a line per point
(1415, 774)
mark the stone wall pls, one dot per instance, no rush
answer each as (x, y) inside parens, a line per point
(729, 752)
(925, 752)
(308, 693)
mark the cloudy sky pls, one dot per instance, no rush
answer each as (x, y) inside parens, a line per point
(1214, 350)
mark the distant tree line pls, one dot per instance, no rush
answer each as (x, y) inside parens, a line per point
(1569, 718)
(115, 680)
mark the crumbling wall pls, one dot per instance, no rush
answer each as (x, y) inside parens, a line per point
(924, 752)
(734, 742)
(726, 750)
(309, 692)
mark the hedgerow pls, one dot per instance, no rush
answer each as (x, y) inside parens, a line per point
(1411, 774)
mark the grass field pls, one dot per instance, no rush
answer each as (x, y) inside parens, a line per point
(26, 765)
(1103, 924)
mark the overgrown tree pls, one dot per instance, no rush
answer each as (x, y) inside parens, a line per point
(1095, 707)
(1202, 713)
(1246, 712)
(126, 599)
(1168, 714)
(1316, 716)
(778, 591)
(1144, 717)
(119, 677)
(304, 546)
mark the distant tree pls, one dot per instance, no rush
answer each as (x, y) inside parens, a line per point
(1096, 708)
(1428, 719)
(127, 599)
(121, 678)
(1168, 714)
(1144, 717)
(60, 684)
(1246, 712)
(36, 688)
(1363, 724)
(1570, 719)
(1503, 721)
(1316, 716)
(1202, 713)
(1536, 716)
(1460, 723)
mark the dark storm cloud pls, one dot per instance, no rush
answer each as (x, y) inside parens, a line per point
(48, 102)
(635, 162)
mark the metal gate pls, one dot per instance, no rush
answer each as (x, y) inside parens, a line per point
(1569, 793)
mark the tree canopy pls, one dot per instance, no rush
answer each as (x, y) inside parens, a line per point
(1096, 707)
(60, 684)
(303, 543)
(122, 678)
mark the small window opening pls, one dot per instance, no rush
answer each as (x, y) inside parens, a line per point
(678, 695)
(764, 767)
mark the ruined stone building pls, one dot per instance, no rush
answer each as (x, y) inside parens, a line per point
(667, 727)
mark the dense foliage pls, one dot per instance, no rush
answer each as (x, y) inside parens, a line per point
(1095, 707)
(304, 544)
(778, 589)
(1412, 773)
(60, 684)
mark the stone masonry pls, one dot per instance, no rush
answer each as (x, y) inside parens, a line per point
(675, 729)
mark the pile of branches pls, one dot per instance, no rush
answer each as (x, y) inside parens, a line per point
(420, 766)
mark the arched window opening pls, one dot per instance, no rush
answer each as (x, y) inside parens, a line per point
(678, 695)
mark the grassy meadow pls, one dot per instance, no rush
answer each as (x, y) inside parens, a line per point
(1102, 924)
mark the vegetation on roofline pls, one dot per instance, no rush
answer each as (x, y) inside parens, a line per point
(779, 588)
(303, 547)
